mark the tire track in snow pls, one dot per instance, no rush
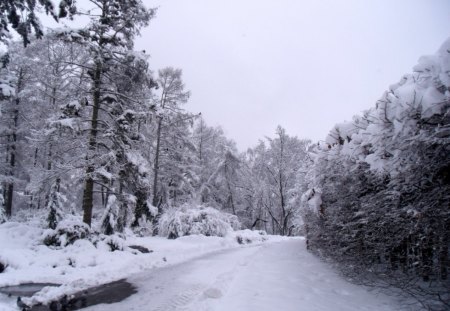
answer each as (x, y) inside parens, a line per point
(181, 300)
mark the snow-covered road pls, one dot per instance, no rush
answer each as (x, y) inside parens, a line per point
(279, 276)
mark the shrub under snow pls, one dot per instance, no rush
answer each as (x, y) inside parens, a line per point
(248, 236)
(187, 220)
(66, 232)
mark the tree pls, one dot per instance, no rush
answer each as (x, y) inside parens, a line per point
(378, 202)
(55, 113)
(45, 109)
(86, 87)
(10, 138)
(218, 168)
(21, 15)
(276, 168)
(169, 116)
(109, 39)
(211, 146)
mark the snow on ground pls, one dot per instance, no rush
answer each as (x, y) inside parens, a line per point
(189, 273)
(273, 276)
(286, 277)
(82, 265)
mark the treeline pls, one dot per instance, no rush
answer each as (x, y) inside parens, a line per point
(379, 198)
(87, 127)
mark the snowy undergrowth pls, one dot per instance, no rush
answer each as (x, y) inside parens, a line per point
(81, 265)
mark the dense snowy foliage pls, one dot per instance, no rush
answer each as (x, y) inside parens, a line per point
(380, 188)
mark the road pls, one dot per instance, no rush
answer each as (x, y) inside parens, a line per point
(279, 276)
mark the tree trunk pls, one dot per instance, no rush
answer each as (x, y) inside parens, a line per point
(49, 168)
(233, 208)
(156, 165)
(89, 183)
(156, 199)
(9, 197)
(12, 149)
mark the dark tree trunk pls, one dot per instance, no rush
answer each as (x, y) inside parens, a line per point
(156, 198)
(9, 198)
(12, 149)
(89, 183)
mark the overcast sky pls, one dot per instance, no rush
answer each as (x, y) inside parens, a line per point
(305, 65)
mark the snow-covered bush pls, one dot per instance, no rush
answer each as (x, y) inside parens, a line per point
(66, 233)
(111, 243)
(110, 216)
(187, 220)
(248, 236)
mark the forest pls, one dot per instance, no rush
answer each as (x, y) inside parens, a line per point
(95, 141)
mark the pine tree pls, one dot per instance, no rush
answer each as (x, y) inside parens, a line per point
(109, 40)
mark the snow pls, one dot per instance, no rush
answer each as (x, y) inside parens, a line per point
(104, 173)
(297, 281)
(246, 270)
(138, 161)
(82, 265)
(312, 200)
(190, 273)
(6, 90)
(270, 276)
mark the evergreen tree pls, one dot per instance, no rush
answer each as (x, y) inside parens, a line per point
(109, 40)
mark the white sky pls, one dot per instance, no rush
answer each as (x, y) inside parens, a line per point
(306, 65)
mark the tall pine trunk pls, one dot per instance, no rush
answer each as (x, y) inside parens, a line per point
(156, 165)
(88, 193)
(156, 199)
